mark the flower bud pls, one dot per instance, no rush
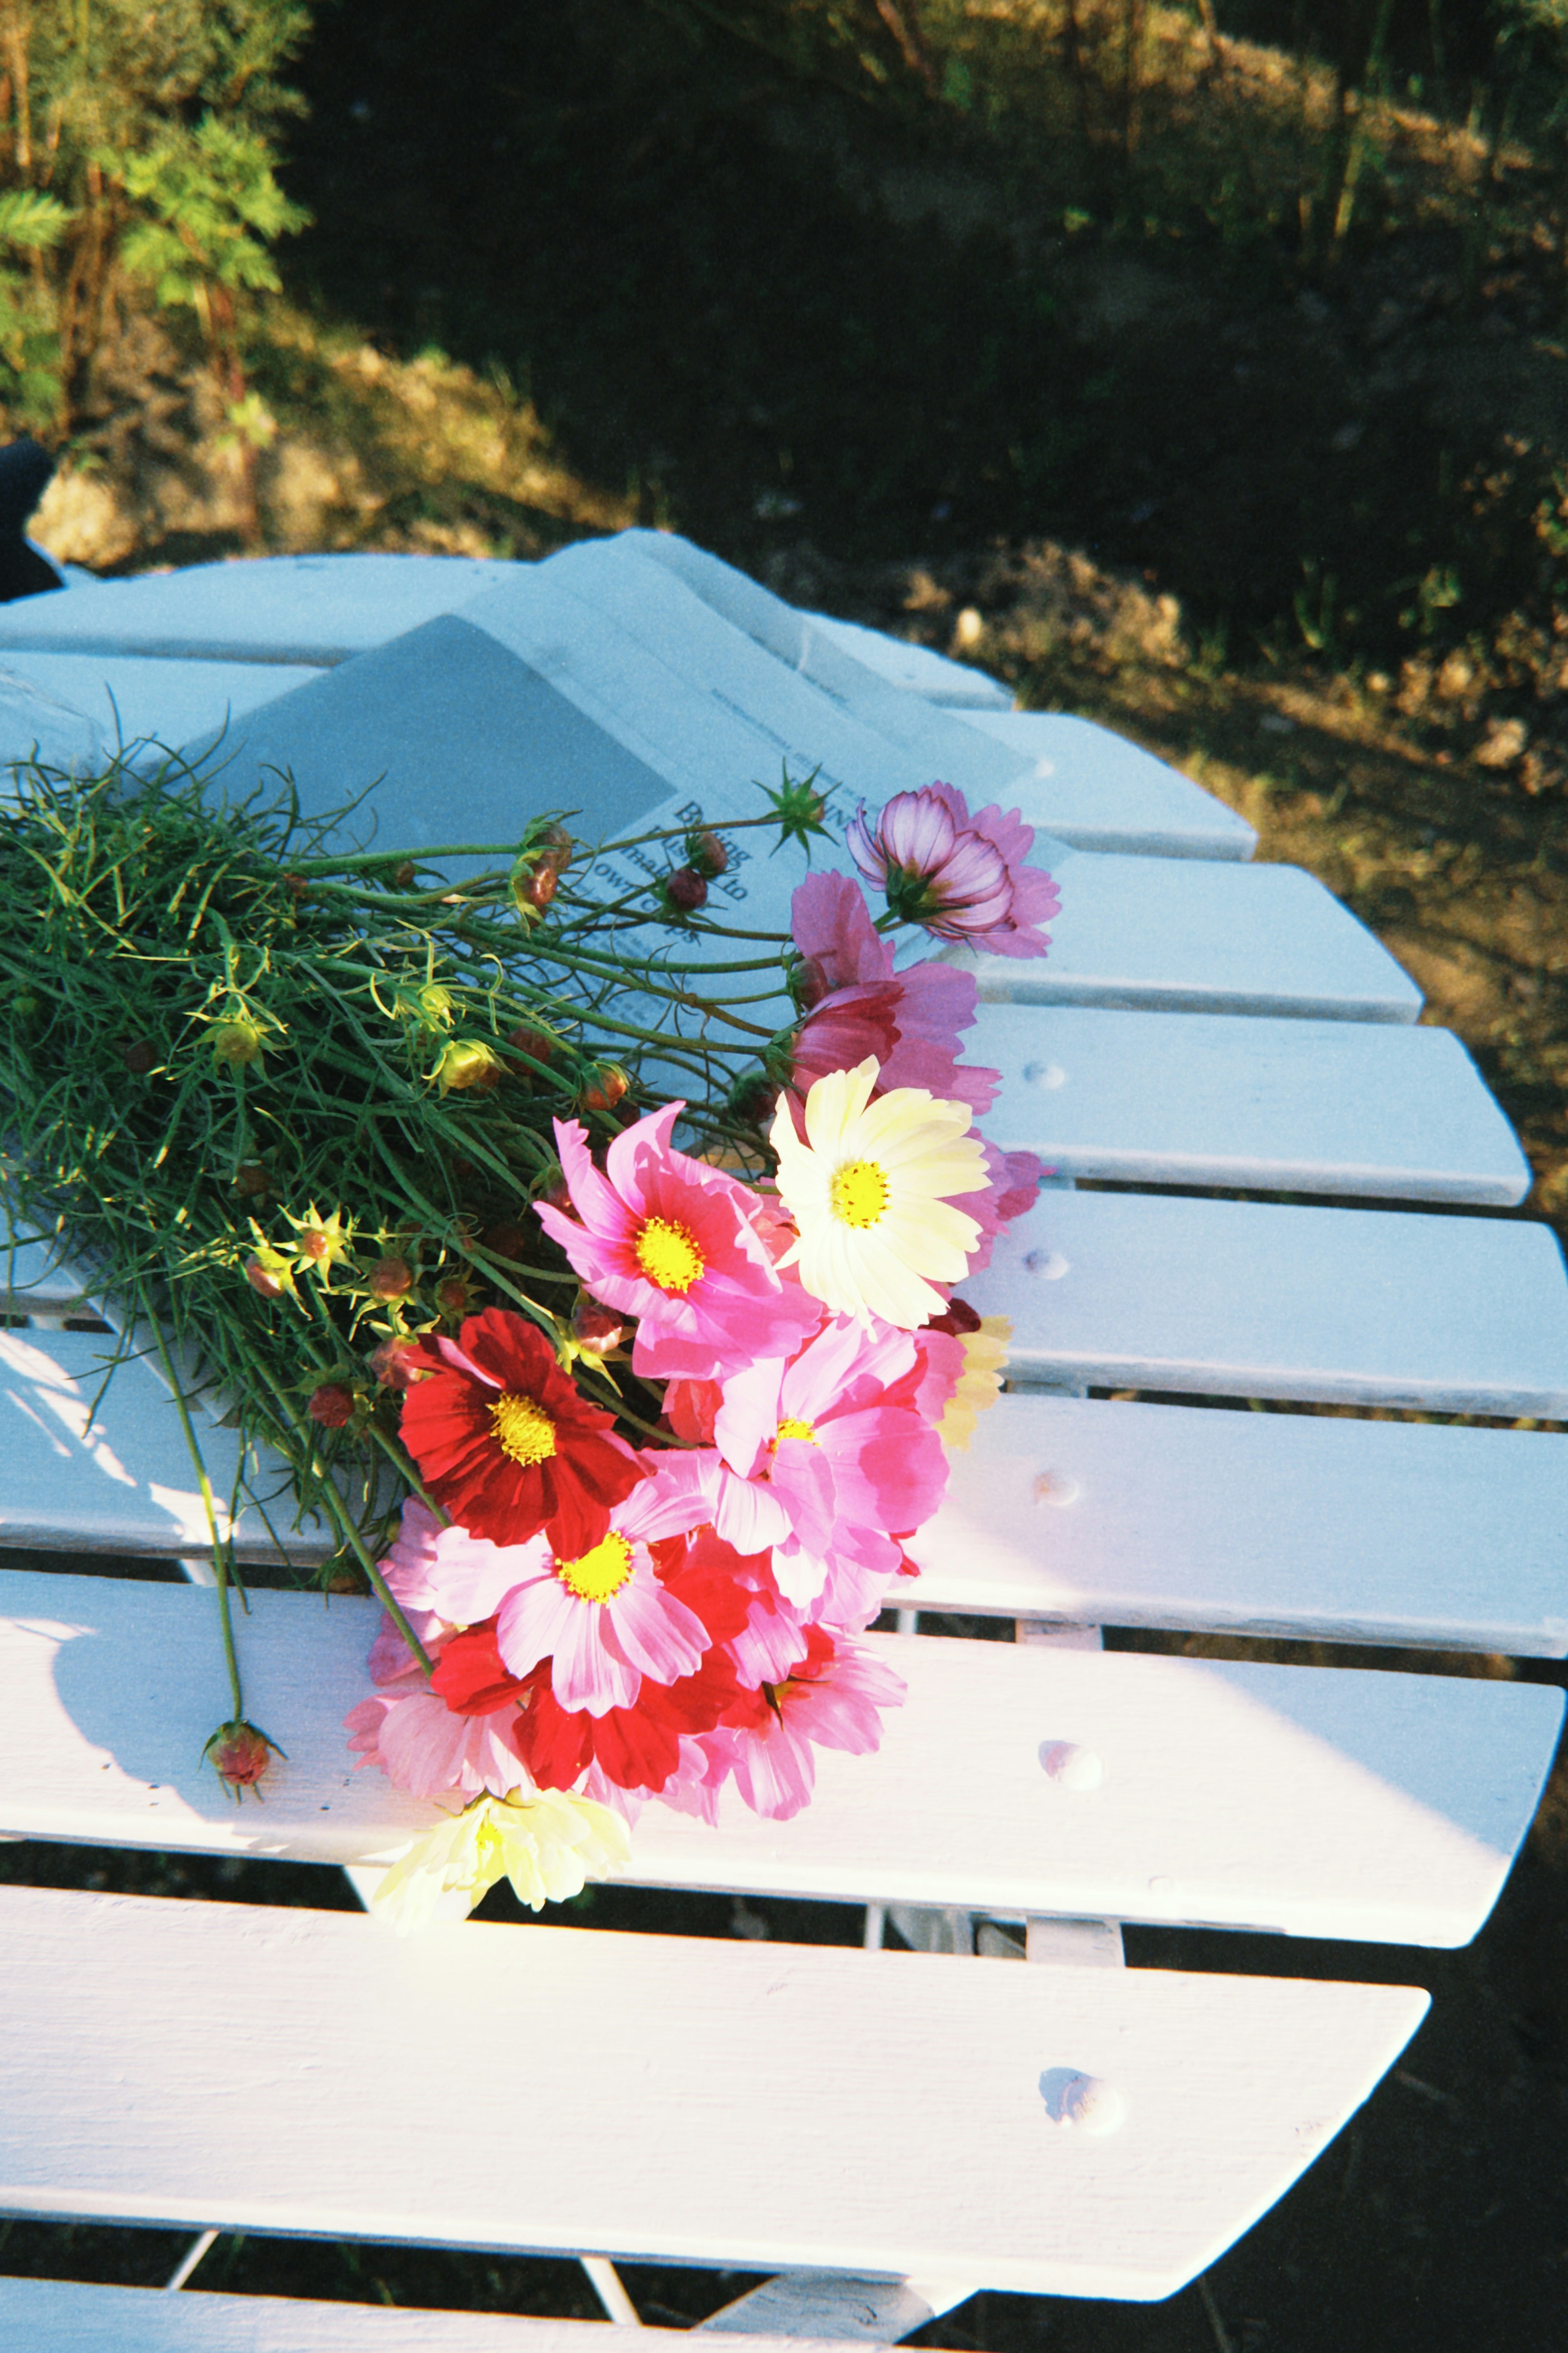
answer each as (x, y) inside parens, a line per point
(537, 1044)
(332, 1405)
(240, 1754)
(506, 1239)
(269, 1272)
(237, 1043)
(397, 1364)
(251, 1176)
(468, 1064)
(429, 1007)
(403, 875)
(605, 1088)
(297, 887)
(138, 1056)
(532, 891)
(454, 1294)
(596, 1327)
(706, 852)
(685, 890)
(391, 1278)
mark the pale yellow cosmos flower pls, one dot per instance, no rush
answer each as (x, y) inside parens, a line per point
(867, 1190)
(546, 1842)
(979, 1384)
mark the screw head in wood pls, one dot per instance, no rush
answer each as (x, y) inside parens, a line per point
(1071, 1767)
(1081, 2103)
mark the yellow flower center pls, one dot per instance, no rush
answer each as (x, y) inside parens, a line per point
(668, 1254)
(523, 1431)
(859, 1193)
(789, 1428)
(600, 1572)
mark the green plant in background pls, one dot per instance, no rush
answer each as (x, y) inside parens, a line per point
(136, 151)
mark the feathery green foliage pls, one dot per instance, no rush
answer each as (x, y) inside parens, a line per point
(289, 1105)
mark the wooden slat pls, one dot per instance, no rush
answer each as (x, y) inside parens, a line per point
(1353, 1804)
(1228, 1522)
(1354, 1107)
(1093, 789)
(47, 2316)
(1253, 1298)
(110, 1469)
(190, 2064)
(1201, 935)
(274, 609)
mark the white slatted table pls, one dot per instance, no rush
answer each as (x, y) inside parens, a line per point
(1200, 1022)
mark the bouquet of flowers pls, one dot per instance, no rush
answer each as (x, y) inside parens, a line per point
(647, 1424)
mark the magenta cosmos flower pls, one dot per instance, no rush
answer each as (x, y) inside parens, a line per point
(823, 1448)
(832, 1699)
(960, 876)
(677, 1244)
(856, 1004)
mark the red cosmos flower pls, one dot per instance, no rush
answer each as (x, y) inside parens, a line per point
(637, 1748)
(505, 1443)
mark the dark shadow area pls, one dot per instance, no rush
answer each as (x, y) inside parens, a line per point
(782, 315)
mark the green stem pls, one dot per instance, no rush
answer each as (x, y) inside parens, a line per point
(209, 1504)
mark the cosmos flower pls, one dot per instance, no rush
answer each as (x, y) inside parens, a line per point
(545, 1842)
(677, 1244)
(961, 877)
(505, 1443)
(823, 1442)
(832, 1699)
(869, 1191)
(856, 1004)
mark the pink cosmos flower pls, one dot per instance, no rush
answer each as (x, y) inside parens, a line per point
(1015, 1188)
(677, 1244)
(962, 877)
(828, 1442)
(858, 1005)
(605, 1621)
(408, 1730)
(831, 1700)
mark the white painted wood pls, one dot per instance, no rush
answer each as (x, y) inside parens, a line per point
(785, 677)
(1256, 1299)
(1230, 1521)
(138, 698)
(1389, 1110)
(1075, 1944)
(273, 609)
(833, 2305)
(46, 2315)
(1201, 935)
(1015, 1780)
(180, 2064)
(110, 1469)
(1093, 789)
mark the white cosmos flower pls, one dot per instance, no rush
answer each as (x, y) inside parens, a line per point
(867, 1190)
